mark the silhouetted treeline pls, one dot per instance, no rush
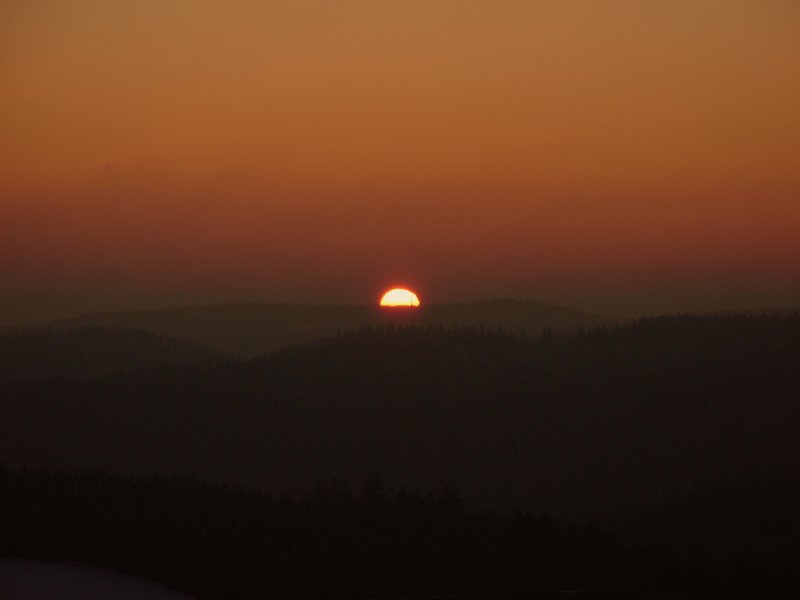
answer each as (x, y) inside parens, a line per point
(220, 542)
(249, 330)
(648, 426)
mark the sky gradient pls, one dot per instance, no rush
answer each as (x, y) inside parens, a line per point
(620, 156)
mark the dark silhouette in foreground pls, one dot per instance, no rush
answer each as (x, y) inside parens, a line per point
(218, 542)
(677, 430)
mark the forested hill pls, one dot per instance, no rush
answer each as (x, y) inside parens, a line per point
(574, 423)
(249, 330)
(219, 542)
(91, 351)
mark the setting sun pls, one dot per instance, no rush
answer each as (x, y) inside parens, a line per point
(399, 297)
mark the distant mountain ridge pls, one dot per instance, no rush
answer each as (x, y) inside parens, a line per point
(89, 351)
(248, 330)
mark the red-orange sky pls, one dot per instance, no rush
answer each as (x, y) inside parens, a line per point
(621, 156)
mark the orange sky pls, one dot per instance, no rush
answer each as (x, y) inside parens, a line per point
(625, 156)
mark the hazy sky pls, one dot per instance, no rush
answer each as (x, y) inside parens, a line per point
(625, 156)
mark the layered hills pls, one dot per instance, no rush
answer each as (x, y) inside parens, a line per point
(654, 425)
(248, 330)
(575, 422)
(86, 351)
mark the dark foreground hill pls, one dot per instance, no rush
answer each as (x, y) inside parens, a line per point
(218, 542)
(249, 330)
(90, 351)
(667, 412)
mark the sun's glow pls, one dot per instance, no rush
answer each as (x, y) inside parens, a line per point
(399, 297)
